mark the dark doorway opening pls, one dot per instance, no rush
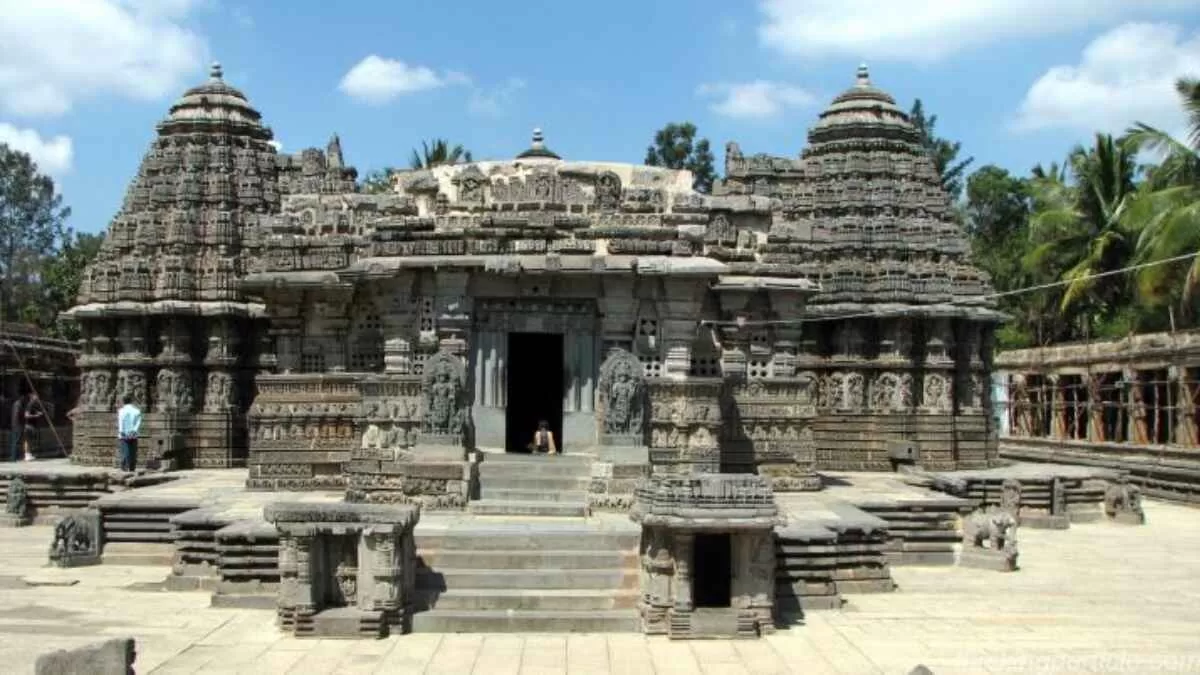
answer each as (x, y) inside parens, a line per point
(712, 565)
(534, 376)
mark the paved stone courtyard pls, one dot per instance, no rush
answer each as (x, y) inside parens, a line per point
(1097, 598)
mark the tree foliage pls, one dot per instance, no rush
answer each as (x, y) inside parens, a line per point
(676, 147)
(377, 182)
(1107, 247)
(61, 277)
(943, 152)
(32, 228)
(436, 153)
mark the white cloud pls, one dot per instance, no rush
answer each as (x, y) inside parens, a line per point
(377, 80)
(52, 155)
(759, 99)
(495, 101)
(1124, 76)
(56, 52)
(929, 30)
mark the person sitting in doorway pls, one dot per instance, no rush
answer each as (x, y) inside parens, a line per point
(543, 440)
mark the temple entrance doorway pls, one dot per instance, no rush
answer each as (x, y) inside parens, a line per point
(534, 388)
(712, 565)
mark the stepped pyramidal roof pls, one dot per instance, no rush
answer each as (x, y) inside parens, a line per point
(862, 210)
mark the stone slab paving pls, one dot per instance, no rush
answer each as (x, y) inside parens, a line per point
(1097, 598)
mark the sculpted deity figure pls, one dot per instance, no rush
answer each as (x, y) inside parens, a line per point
(622, 394)
(608, 191)
(443, 394)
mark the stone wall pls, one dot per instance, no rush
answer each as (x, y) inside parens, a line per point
(1128, 404)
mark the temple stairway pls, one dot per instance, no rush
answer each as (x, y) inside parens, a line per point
(526, 557)
(533, 485)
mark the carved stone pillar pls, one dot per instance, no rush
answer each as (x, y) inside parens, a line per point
(1186, 433)
(1094, 382)
(1058, 407)
(617, 308)
(683, 571)
(453, 308)
(287, 345)
(684, 300)
(1135, 409)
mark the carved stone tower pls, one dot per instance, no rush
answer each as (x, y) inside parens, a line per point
(162, 313)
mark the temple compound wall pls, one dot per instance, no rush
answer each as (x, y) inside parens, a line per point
(1129, 404)
(32, 361)
(813, 313)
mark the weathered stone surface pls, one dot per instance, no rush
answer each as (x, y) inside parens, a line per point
(114, 657)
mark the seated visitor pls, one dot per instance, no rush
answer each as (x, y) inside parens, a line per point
(543, 440)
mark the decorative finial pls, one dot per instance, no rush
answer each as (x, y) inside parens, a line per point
(215, 71)
(864, 76)
(538, 139)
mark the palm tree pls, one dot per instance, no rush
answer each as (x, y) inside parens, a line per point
(1080, 226)
(1167, 208)
(438, 152)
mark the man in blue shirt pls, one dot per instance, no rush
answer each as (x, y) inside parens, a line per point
(129, 422)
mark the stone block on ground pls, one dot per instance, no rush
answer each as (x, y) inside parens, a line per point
(114, 657)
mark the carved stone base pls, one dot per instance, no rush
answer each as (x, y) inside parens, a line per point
(1045, 521)
(790, 481)
(986, 559)
(447, 485)
(14, 520)
(713, 623)
(347, 622)
(1128, 518)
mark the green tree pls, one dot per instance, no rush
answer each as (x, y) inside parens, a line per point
(61, 276)
(438, 152)
(31, 228)
(377, 182)
(943, 152)
(1167, 208)
(1081, 229)
(676, 147)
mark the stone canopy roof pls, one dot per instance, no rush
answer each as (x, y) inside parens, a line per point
(215, 214)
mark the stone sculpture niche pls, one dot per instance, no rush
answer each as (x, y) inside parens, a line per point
(444, 423)
(345, 570)
(708, 555)
(1123, 503)
(622, 404)
(16, 508)
(990, 540)
(77, 540)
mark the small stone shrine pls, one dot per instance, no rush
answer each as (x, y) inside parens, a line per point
(708, 555)
(346, 570)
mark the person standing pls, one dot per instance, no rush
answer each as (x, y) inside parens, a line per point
(129, 423)
(34, 411)
(17, 430)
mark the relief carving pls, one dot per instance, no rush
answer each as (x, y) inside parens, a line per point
(445, 385)
(622, 394)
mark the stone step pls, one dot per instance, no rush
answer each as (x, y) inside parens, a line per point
(518, 621)
(530, 458)
(554, 600)
(547, 469)
(539, 483)
(488, 491)
(525, 559)
(492, 507)
(528, 580)
(563, 536)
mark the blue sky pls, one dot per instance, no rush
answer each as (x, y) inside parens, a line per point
(83, 82)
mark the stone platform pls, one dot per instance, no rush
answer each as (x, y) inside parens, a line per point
(1081, 489)
(1044, 619)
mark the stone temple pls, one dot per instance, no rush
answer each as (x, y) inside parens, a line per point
(810, 314)
(695, 355)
